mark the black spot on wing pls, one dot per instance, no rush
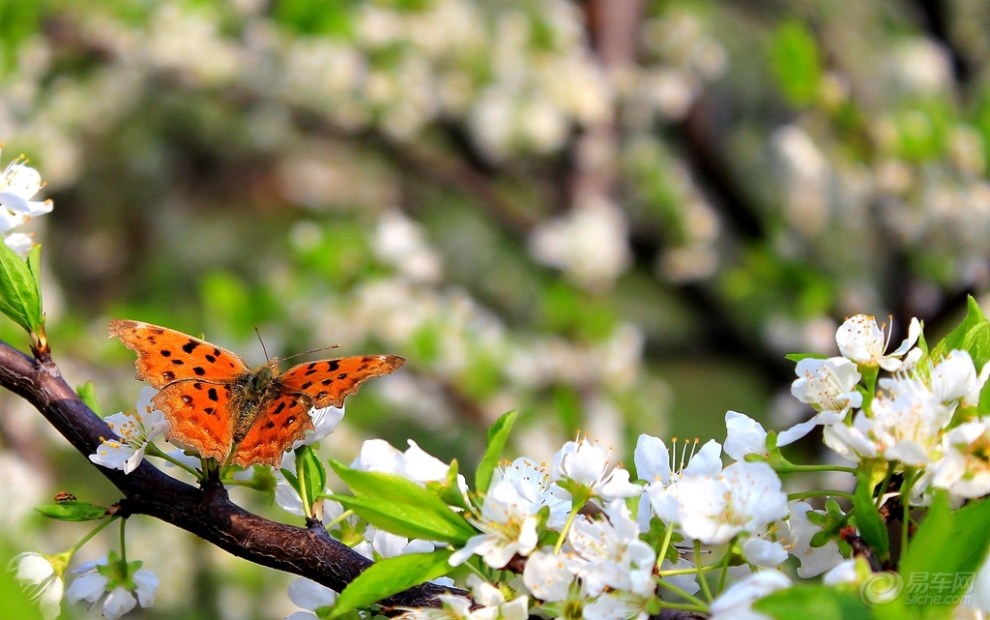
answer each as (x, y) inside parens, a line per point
(332, 365)
(342, 376)
(199, 370)
(212, 394)
(165, 353)
(178, 362)
(190, 346)
(168, 375)
(210, 358)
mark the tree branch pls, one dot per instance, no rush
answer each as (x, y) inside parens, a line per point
(207, 512)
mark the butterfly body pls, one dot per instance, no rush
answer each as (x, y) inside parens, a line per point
(220, 408)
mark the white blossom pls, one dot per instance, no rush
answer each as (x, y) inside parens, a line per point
(744, 497)
(587, 464)
(797, 534)
(91, 583)
(736, 601)
(608, 553)
(508, 523)
(311, 596)
(43, 580)
(964, 469)
(830, 386)
(863, 341)
(134, 431)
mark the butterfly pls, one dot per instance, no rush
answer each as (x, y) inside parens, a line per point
(218, 407)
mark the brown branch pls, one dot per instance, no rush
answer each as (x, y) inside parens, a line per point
(207, 512)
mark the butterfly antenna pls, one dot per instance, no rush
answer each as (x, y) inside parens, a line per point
(256, 331)
(333, 346)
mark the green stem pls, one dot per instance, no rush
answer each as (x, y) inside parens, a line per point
(695, 602)
(822, 493)
(684, 606)
(791, 468)
(339, 519)
(567, 526)
(123, 542)
(724, 571)
(85, 539)
(910, 478)
(303, 494)
(701, 573)
(153, 450)
(668, 535)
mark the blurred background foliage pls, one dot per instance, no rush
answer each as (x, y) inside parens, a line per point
(615, 217)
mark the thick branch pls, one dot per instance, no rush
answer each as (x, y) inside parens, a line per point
(207, 513)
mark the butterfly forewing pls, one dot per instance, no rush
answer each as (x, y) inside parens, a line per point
(165, 355)
(198, 416)
(329, 382)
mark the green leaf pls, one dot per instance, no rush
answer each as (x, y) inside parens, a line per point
(315, 18)
(797, 357)
(984, 404)
(947, 543)
(311, 476)
(391, 576)
(382, 493)
(292, 480)
(970, 335)
(828, 603)
(795, 62)
(868, 520)
(449, 491)
(498, 435)
(20, 288)
(405, 519)
(72, 511)
(87, 393)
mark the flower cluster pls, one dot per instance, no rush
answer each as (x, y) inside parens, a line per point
(120, 585)
(710, 528)
(18, 185)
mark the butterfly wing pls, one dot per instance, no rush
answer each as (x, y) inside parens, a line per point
(329, 382)
(195, 379)
(199, 416)
(166, 355)
(284, 421)
(286, 418)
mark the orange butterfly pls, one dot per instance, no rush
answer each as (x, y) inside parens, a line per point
(215, 404)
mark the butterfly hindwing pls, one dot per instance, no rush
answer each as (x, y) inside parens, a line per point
(199, 416)
(165, 355)
(281, 423)
(328, 382)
